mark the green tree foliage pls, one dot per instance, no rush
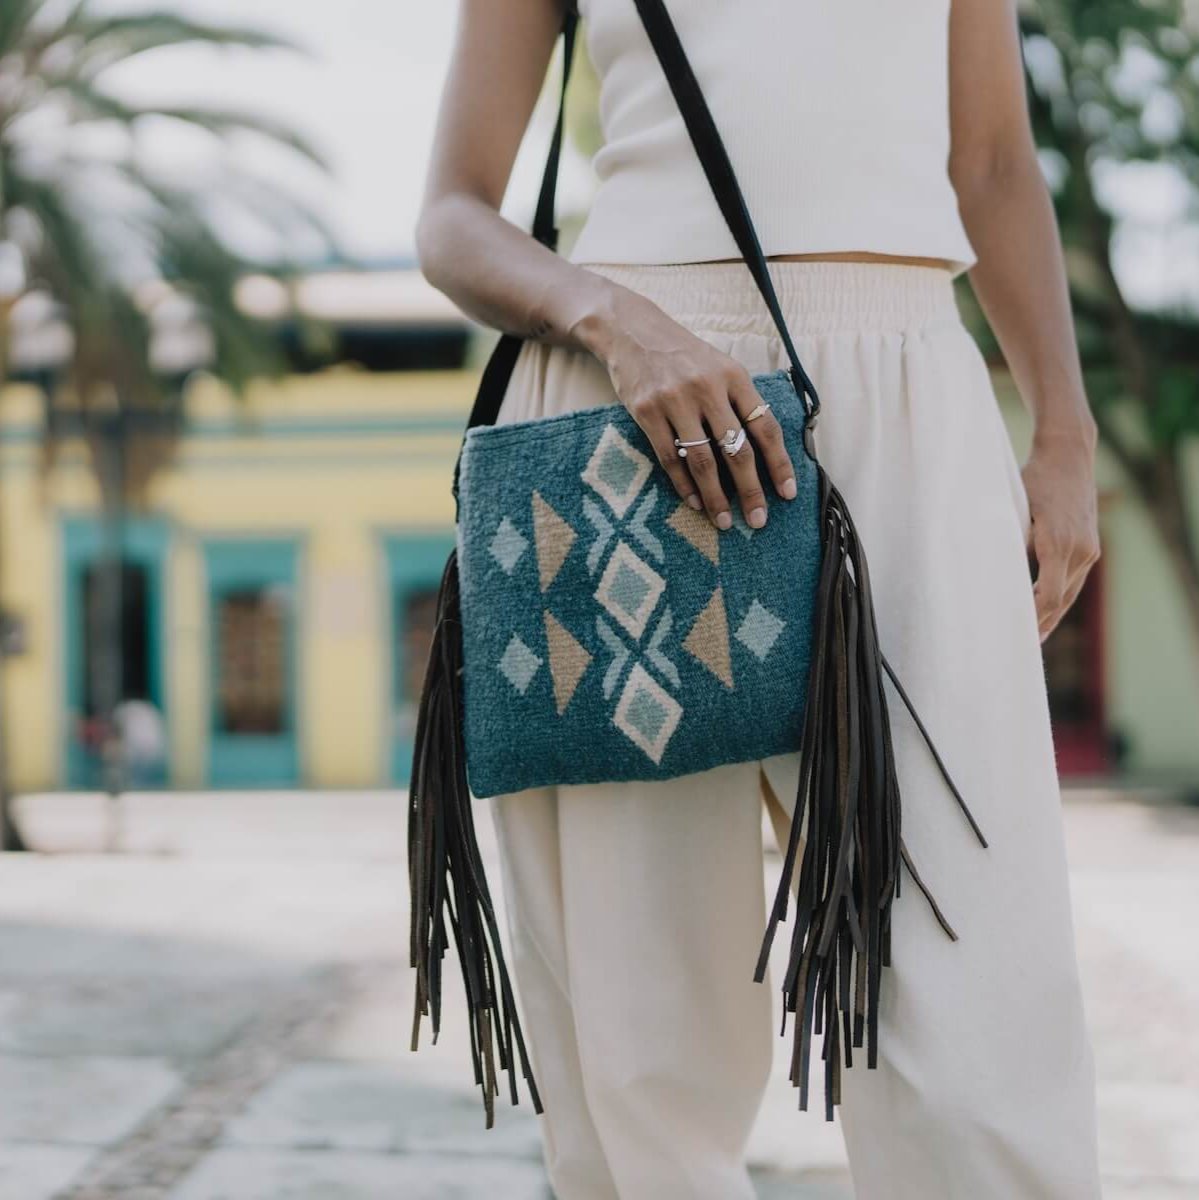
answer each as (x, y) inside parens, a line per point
(96, 225)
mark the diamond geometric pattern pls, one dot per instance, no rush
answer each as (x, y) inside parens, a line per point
(616, 470)
(739, 523)
(599, 601)
(647, 714)
(519, 664)
(604, 529)
(508, 545)
(708, 641)
(629, 589)
(553, 538)
(759, 631)
(619, 652)
(653, 649)
(696, 529)
(640, 530)
(568, 661)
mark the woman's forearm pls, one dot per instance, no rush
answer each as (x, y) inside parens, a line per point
(499, 275)
(1020, 282)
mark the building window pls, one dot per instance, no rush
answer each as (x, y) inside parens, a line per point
(252, 630)
(253, 738)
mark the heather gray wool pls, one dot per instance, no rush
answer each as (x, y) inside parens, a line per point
(611, 632)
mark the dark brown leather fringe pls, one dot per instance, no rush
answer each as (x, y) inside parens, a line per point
(445, 871)
(848, 808)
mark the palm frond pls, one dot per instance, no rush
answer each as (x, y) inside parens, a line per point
(65, 254)
(99, 42)
(203, 269)
(91, 103)
(15, 18)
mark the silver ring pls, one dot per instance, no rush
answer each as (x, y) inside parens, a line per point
(733, 441)
(682, 446)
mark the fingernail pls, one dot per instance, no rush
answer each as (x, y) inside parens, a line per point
(788, 490)
(724, 521)
(757, 518)
(695, 502)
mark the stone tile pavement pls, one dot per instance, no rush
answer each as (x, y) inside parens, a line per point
(221, 1011)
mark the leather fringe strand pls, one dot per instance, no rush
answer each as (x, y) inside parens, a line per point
(848, 806)
(445, 871)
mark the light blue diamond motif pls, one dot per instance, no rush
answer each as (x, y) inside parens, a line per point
(646, 715)
(739, 523)
(759, 631)
(519, 664)
(628, 589)
(616, 469)
(508, 545)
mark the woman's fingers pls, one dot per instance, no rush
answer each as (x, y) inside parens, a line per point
(743, 466)
(766, 433)
(1061, 572)
(661, 435)
(701, 466)
(700, 410)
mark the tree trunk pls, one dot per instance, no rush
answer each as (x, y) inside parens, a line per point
(108, 613)
(10, 834)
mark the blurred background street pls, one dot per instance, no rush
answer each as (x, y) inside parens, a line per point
(229, 411)
(221, 1012)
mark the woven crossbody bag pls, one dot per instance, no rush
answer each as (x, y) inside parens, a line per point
(592, 628)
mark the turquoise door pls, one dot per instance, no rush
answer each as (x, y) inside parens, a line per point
(415, 562)
(144, 544)
(252, 639)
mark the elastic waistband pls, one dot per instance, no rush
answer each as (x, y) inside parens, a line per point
(816, 297)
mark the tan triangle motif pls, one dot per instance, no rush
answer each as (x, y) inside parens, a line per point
(568, 661)
(695, 528)
(554, 538)
(708, 641)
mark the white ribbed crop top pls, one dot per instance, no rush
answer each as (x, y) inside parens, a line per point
(835, 114)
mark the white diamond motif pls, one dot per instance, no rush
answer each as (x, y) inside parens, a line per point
(647, 714)
(616, 470)
(630, 589)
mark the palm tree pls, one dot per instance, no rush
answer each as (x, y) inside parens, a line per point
(132, 262)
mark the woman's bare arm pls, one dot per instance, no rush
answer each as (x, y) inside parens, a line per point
(1020, 282)
(672, 382)
(493, 270)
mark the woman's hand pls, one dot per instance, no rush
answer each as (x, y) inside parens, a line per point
(1059, 479)
(675, 385)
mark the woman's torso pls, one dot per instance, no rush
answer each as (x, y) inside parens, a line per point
(835, 114)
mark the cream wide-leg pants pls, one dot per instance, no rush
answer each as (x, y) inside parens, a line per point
(636, 910)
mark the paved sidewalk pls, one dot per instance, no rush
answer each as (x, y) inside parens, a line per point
(222, 1012)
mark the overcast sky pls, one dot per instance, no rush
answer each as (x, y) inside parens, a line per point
(367, 92)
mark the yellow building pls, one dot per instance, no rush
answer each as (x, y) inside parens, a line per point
(277, 580)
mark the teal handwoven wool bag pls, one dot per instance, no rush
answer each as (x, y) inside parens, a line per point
(591, 627)
(610, 631)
